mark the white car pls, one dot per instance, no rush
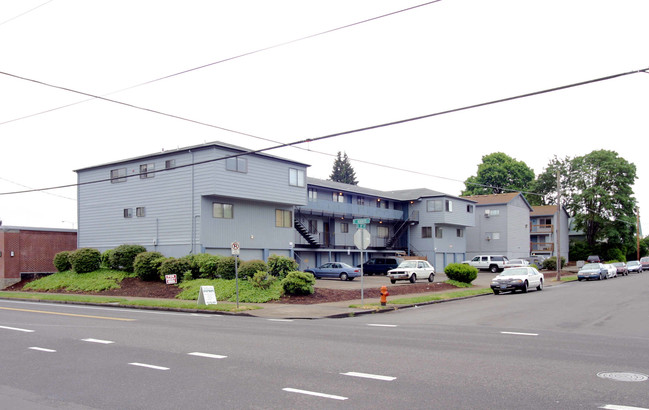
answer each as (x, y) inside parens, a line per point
(612, 270)
(412, 270)
(512, 279)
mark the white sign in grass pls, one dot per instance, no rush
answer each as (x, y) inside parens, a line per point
(207, 296)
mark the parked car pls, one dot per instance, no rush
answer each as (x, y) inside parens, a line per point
(594, 259)
(535, 260)
(621, 268)
(494, 263)
(380, 266)
(611, 271)
(516, 263)
(634, 266)
(644, 261)
(592, 271)
(339, 270)
(412, 270)
(512, 279)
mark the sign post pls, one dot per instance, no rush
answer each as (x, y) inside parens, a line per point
(235, 253)
(362, 241)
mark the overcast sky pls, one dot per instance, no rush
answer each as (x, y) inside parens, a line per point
(437, 57)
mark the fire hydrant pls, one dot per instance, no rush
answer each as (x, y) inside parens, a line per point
(384, 295)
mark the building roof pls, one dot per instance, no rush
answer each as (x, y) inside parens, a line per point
(207, 145)
(544, 210)
(496, 199)
(398, 195)
(8, 228)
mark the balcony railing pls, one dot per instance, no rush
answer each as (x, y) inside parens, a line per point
(542, 228)
(541, 247)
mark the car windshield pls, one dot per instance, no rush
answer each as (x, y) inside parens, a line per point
(514, 272)
(633, 263)
(618, 264)
(591, 266)
(408, 264)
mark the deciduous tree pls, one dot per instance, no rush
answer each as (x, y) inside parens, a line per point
(497, 174)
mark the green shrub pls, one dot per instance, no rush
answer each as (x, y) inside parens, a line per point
(461, 272)
(147, 265)
(205, 265)
(261, 279)
(105, 258)
(85, 260)
(280, 266)
(617, 255)
(123, 256)
(249, 268)
(551, 263)
(298, 283)
(225, 267)
(172, 266)
(62, 261)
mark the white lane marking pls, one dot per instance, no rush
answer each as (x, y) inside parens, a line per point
(105, 342)
(17, 328)
(313, 393)
(208, 355)
(519, 333)
(42, 349)
(369, 376)
(150, 366)
(618, 407)
(280, 320)
(380, 325)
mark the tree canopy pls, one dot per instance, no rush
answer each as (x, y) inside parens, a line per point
(343, 171)
(497, 174)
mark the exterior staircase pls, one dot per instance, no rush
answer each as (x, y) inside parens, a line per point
(401, 227)
(299, 226)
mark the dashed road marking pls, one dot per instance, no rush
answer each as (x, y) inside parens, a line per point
(68, 314)
(519, 333)
(380, 325)
(105, 342)
(42, 349)
(280, 320)
(369, 376)
(313, 393)
(149, 366)
(617, 407)
(208, 355)
(17, 329)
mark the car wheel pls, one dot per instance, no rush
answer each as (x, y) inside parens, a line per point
(580, 279)
(493, 269)
(540, 287)
(431, 277)
(413, 278)
(351, 278)
(393, 281)
(524, 288)
(496, 291)
(343, 276)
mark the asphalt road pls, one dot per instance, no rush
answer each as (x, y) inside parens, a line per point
(540, 350)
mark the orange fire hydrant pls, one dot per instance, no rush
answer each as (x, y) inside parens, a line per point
(384, 295)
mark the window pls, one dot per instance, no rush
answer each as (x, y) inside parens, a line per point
(460, 233)
(128, 213)
(438, 232)
(237, 164)
(338, 197)
(313, 226)
(492, 212)
(469, 208)
(117, 175)
(378, 202)
(139, 212)
(296, 177)
(385, 204)
(360, 200)
(382, 232)
(146, 171)
(313, 195)
(283, 218)
(434, 205)
(344, 227)
(449, 205)
(223, 211)
(170, 163)
(426, 232)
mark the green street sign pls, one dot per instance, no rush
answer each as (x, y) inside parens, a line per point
(361, 221)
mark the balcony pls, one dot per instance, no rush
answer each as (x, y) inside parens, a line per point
(330, 208)
(542, 228)
(541, 247)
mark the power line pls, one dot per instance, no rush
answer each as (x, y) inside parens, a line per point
(25, 12)
(249, 53)
(338, 134)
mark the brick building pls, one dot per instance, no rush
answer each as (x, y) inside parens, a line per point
(31, 250)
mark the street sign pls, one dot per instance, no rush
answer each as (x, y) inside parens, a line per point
(362, 221)
(362, 239)
(235, 248)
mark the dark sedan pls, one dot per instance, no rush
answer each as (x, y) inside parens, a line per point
(338, 270)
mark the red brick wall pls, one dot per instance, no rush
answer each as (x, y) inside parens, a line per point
(33, 250)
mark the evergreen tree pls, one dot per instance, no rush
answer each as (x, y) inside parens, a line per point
(343, 171)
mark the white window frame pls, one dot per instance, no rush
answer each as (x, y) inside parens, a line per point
(237, 164)
(296, 177)
(117, 175)
(283, 218)
(222, 210)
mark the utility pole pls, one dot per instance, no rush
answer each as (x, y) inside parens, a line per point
(637, 230)
(557, 224)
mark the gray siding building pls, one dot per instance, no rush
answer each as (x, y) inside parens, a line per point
(546, 225)
(192, 200)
